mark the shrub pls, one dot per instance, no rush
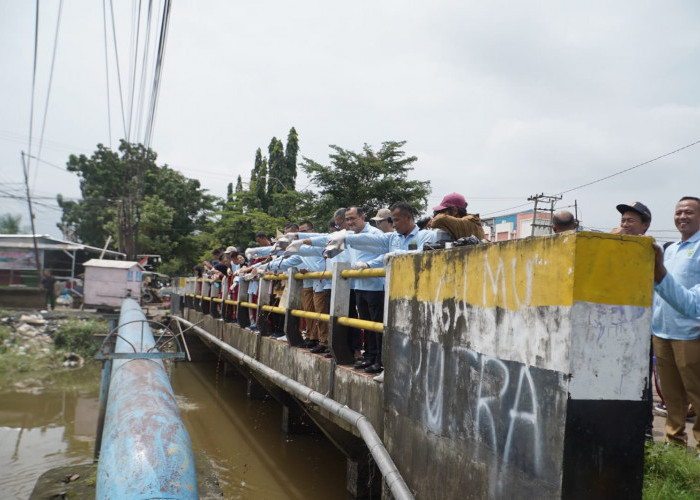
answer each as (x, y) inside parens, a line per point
(78, 336)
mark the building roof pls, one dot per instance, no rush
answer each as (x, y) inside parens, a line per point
(112, 264)
(46, 242)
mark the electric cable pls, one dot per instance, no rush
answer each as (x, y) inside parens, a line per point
(109, 111)
(116, 58)
(31, 107)
(136, 32)
(48, 91)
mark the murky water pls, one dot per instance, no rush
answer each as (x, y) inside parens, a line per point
(55, 426)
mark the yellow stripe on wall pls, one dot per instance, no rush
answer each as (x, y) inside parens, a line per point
(547, 271)
(612, 269)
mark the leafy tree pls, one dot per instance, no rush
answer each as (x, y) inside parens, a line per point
(239, 185)
(229, 192)
(258, 180)
(9, 224)
(276, 168)
(290, 159)
(126, 195)
(369, 178)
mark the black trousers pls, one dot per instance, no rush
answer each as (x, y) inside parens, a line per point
(370, 306)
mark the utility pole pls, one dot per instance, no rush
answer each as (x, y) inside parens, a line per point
(546, 199)
(31, 217)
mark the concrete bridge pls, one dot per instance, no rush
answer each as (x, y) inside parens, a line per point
(512, 370)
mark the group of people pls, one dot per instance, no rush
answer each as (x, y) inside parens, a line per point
(348, 238)
(675, 328)
(351, 238)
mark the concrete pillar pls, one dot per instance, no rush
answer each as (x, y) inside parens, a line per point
(206, 292)
(243, 313)
(254, 389)
(340, 305)
(264, 288)
(295, 420)
(363, 478)
(291, 323)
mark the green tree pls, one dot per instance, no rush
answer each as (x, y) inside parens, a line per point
(229, 192)
(9, 224)
(239, 185)
(276, 167)
(369, 178)
(258, 180)
(126, 195)
(290, 159)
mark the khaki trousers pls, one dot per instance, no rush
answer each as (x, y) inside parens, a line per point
(307, 304)
(321, 326)
(678, 364)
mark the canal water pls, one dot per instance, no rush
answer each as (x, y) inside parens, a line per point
(52, 423)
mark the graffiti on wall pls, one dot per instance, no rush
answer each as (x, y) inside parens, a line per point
(507, 415)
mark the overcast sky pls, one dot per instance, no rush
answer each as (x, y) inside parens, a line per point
(498, 100)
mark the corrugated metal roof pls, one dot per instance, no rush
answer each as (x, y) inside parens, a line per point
(46, 242)
(112, 264)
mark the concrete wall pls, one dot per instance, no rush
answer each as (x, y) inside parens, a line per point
(518, 369)
(360, 393)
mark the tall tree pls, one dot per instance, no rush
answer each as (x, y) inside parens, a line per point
(276, 167)
(258, 180)
(289, 177)
(9, 224)
(239, 185)
(229, 192)
(369, 178)
(126, 195)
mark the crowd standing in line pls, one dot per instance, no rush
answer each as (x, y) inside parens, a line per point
(350, 238)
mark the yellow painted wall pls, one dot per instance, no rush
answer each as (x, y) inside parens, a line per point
(541, 271)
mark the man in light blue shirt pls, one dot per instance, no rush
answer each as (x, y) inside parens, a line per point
(676, 321)
(406, 238)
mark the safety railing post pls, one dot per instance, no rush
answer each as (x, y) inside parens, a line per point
(338, 340)
(214, 292)
(263, 300)
(206, 295)
(243, 313)
(198, 294)
(291, 323)
(224, 296)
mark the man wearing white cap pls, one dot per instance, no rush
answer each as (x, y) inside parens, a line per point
(383, 220)
(451, 216)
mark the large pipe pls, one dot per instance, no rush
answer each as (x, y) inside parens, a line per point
(392, 476)
(146, 450)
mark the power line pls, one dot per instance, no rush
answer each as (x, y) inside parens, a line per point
(631, 168)
(158, 71)
(31, 106)
(109, 111)
(116, 58)
(48, 90)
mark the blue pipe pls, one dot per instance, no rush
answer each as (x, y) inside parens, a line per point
(146, 450)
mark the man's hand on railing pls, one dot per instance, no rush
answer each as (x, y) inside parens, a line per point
(360, 265)
(387, 257)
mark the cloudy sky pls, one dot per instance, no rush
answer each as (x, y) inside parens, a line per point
(498, 100)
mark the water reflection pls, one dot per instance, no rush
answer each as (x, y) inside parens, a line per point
(244, 440)
(54, 425)
(44, 426)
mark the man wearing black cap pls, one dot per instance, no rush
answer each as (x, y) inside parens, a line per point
(635, 220)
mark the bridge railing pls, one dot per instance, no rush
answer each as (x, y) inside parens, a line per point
(216, 298)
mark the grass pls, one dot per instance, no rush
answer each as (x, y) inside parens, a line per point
(670, 473)
(77, 336)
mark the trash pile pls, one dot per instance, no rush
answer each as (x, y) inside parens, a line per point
(32, 335)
